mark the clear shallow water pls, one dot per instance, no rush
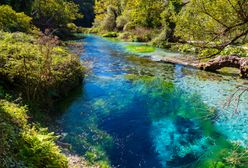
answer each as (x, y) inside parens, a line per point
(132, 112)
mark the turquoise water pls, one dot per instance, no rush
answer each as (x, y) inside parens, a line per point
(132, 112)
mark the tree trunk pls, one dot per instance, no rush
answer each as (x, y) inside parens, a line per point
(227, 61)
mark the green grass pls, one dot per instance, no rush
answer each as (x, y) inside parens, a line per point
(140, 49)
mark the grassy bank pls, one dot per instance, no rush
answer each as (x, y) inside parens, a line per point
(36, 71)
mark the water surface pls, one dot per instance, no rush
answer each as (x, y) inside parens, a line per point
(131, 112)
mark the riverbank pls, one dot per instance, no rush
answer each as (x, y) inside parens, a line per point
(36, 72)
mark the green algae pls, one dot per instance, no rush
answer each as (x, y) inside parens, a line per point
(229, 71)
(140, 49)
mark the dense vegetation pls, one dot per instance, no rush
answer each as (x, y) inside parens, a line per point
(36, 70)
(25, 145)
(36, 67)
(204, 27)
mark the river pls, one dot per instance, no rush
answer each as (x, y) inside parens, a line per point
(132, 112)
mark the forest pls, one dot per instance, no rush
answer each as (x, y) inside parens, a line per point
(123, 83)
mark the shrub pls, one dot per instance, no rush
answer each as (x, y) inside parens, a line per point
(23, 145)
(235, 51)
(40, 70)
(72, 27)
(55, 13)
(121, 21)
(110, 19)
(110, 34)
(129, 26)
(12, 21)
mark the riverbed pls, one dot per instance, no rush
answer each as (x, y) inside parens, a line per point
(132, 111)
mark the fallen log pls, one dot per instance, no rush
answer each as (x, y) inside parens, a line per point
(227, 61)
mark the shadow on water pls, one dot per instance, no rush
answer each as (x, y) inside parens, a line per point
(132, 112)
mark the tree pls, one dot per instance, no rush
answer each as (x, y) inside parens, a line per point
(169, 15)
(144, 13)
(19, 5)
(105, 11)
(216, 23)
(11, 21)
(54, 13)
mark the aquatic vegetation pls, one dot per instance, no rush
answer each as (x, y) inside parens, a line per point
(191, 124)
(229, 71)
(139, 60)
(140, 48)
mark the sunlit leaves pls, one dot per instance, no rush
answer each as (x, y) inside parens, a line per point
(219, 21)
(55, 13)
(13, 21)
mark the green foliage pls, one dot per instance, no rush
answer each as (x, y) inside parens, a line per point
(118, 14)
(23, 145)
(144, 13)
(55, 13)
(110, 19)
(110, 34)
(72, 27)
(187, 48)
(205, 52)
(232, 50)
(39, 69)
(218, 22)
(121, 22)
(169, 16)
(12, 21)
(105, 11)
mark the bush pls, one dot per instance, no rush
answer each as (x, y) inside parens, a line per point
(39, 69)
(121, 21)
(23, 145)
(110, 19)
(12, 21)
(55, 13)
(129, 26)
(235, 51)
(72, 27)
(110, 34)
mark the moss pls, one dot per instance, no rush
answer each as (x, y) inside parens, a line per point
(140, 49)
(229, 71)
